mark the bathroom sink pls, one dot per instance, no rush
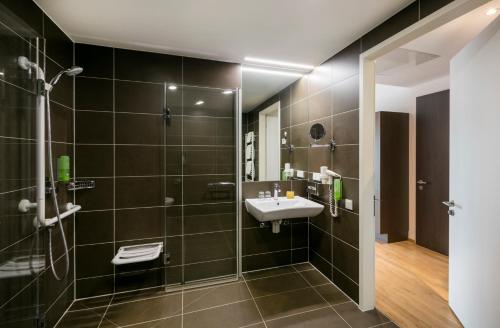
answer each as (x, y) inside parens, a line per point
(269, 209)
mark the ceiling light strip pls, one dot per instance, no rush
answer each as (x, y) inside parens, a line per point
(278, 63)
(270, 71)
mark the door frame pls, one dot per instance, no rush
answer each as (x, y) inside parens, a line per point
(442, 16)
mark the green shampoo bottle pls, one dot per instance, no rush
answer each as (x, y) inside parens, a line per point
(63, 168)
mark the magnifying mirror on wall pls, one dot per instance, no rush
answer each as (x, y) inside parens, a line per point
(317, 132)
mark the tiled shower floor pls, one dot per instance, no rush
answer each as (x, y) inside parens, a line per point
(292, 296)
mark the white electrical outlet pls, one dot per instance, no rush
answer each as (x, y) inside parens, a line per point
(348, 204)
(300, 174)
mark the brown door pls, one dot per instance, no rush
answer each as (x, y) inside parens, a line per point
(433, 156)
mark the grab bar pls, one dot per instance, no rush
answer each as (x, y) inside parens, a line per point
(70, 209)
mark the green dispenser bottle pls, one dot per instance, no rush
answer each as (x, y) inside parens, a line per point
(63, 168)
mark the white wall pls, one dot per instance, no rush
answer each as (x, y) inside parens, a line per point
(391, 98)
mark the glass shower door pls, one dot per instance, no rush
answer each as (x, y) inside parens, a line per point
(202, 224)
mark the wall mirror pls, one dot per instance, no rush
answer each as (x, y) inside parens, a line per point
(267, 143)
(317, 132)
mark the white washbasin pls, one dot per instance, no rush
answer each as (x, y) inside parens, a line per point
(269, 209)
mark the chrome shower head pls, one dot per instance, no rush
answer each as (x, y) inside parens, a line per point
(75, 70)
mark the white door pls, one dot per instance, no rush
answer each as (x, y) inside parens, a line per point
(474, 293)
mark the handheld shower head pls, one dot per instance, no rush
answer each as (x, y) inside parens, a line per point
(74, 70)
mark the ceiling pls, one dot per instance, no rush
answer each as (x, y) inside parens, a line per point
(428, 57)
(301, 31)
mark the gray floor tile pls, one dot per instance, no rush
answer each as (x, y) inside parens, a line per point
(82, 319)
(229, 316)
(323, 318)
(332, 294)
(138, 295)
(144, 310)
(358, 319)
(213, 296)
(293, 302)
(276, 284)
(314, 277)
(174, 322)
(303, 266)
(268, 272)
(91, 303)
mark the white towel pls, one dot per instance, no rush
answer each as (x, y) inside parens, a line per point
(249, 138)
(249, 153)
(249, 171)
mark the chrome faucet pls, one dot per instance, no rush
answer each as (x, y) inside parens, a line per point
(276, 191)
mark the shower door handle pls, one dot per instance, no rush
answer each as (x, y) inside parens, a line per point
(167, 115)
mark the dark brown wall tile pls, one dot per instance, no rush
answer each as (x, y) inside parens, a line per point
(204, 189)
(94, 260)
(346, 227)
(93, 94)
(29, 14)
(209, 218)
(62, 123)
(139, 280)
(320, 242)
(263, 240)
(391, 26)
(211, 73)
(209, 246)
(345, 127)
(139, 97)
(300, 255)
(320, 263)
(59, 46)
(12, 46)
(342, 258)
(63, 92)
(94, 161)
(299, 112)
(93, 127)
(139, 223)
(138, 129)
(345, 161)
(207, 270)
(267, 260)
(351, 191)
(347, 285)
(346, 95)
(300, 234)
(427, 7)
(94, 227)
(147, 66)
(320, 105)
(321, 77)
(138, 192)
(139, 160)
(99, 198)
(346, 63)
(89, 287)
(323, 220)
(96, 61)
(300, 89)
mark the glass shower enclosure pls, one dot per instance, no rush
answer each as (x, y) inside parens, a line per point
(199, 184)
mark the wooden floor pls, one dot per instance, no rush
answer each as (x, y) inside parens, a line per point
(412, 285)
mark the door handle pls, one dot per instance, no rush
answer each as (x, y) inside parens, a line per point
(421, 182)
(451, 205)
